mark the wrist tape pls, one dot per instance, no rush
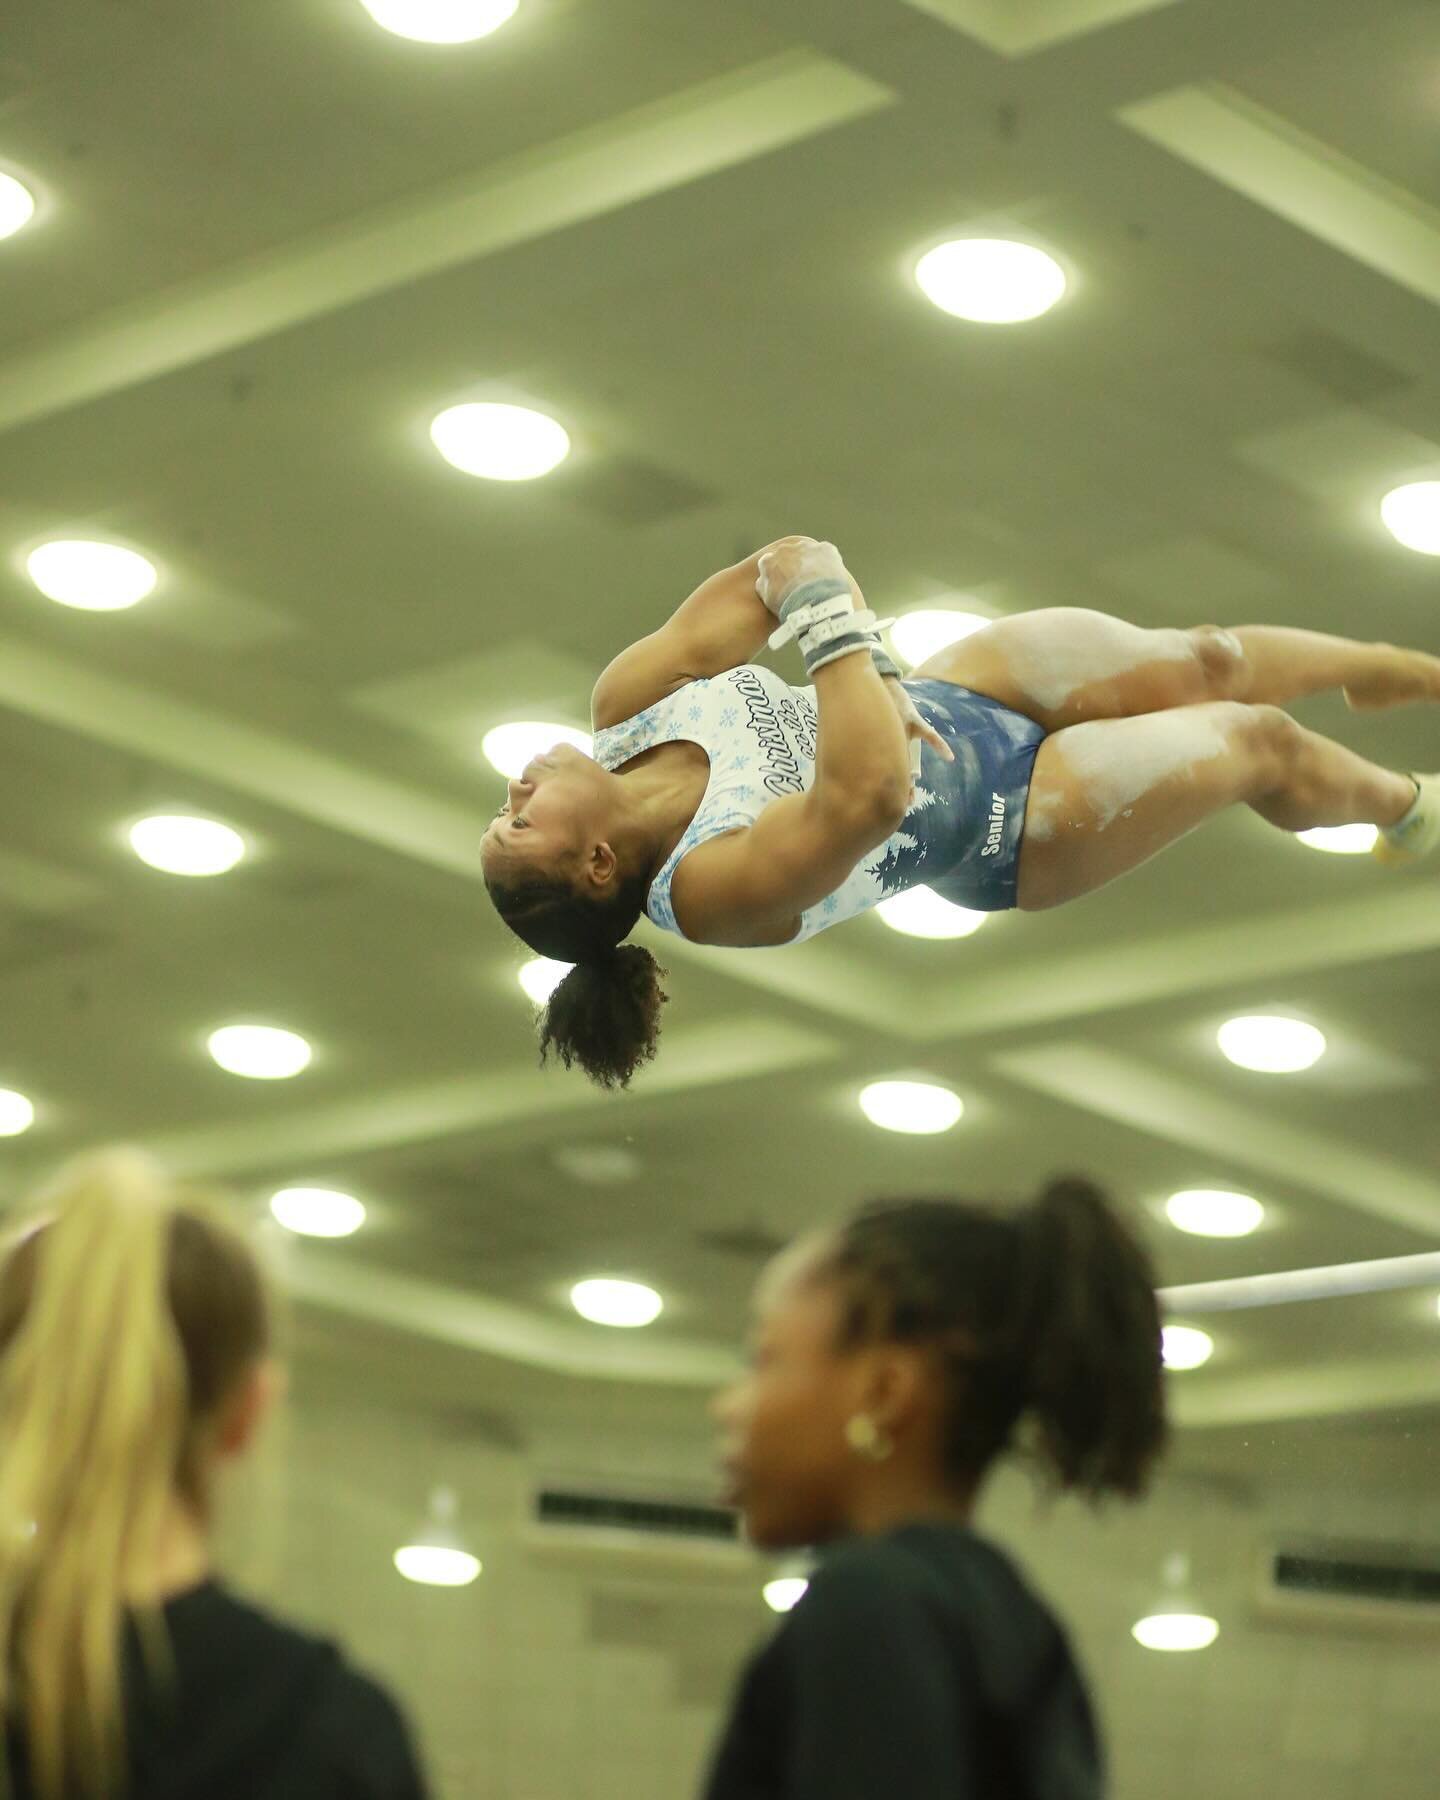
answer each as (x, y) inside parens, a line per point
(822, 617)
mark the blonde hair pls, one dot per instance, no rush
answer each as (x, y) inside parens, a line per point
(130, 1314)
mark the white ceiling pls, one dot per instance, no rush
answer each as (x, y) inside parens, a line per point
(274, 241)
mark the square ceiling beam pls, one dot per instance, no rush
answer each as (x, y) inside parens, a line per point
(1125, 1091)
(654, 149)
(1297, 177)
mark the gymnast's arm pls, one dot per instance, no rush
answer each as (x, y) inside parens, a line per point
(751, 886)
(723, 624)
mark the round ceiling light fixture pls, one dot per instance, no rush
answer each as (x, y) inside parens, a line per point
(991, 281)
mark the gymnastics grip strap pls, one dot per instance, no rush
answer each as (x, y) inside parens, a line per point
(830, 639)
(821, 614)
(826, 597)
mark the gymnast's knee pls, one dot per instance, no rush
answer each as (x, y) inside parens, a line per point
(1273, 739)
(1223, 663)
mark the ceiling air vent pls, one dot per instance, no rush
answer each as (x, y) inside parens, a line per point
(1357, 1586)
(589, 1523)
(1337, 367)
(650, 1518)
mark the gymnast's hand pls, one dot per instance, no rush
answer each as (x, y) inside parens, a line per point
(917, 732)
(792, 561)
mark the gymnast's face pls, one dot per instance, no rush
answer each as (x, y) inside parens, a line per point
(552, 813)
(788, 1466)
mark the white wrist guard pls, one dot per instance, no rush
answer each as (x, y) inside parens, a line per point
(823, 619)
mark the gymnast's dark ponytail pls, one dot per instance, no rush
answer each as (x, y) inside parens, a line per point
(1090, 1325)
(1049, 1317)
(605, 1014)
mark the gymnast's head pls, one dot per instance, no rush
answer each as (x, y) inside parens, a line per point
(897, 1357)
(568, 868)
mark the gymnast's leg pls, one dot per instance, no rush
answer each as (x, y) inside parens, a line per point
(1107, 795)
(1065, 665)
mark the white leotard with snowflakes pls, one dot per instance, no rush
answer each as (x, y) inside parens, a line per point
(760, 734)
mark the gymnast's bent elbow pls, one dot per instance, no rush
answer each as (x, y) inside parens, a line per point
(865, 814)
(885, 803)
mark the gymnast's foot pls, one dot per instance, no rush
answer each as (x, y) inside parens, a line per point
(1397, 678)
(1418, 833)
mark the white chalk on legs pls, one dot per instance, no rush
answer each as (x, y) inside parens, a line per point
(1118, 761)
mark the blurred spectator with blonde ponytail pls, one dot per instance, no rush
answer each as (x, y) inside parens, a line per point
(136, 1362)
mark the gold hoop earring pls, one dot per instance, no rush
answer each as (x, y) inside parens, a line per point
(866, 1439)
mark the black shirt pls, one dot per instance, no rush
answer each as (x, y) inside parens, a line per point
(918, 1666)
(259, 1711)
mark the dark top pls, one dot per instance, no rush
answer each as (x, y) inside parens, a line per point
(259, 1711)
(918, 1666)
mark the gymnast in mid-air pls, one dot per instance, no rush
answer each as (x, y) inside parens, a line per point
(1033, 762)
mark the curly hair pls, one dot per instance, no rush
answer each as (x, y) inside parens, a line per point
(605, 1014)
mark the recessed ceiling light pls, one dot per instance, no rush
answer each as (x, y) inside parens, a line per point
(500, 443)
(1412, 514)
(1214, 1212)
(260, 1052)
(623, 1304)
(510, 749)
(441, 21)
(991, 281)
(183, 846)
(921, 912)
(1271, 1046)
(1176, 1632)
(918, 1107)
(1186, 1348)
(432, 1566)
(541, 976)
(1341, 840)
(17, 205)
(94, 577)
(785, 1593)
(318, 1212)
(924, 633)
(17, 1115)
